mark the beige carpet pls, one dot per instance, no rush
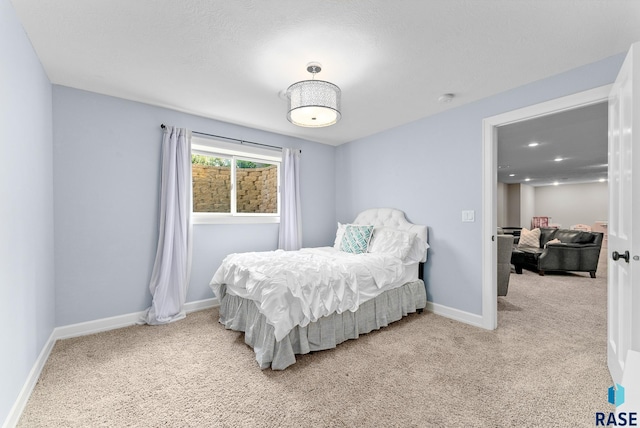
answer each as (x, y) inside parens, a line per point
(544, 366)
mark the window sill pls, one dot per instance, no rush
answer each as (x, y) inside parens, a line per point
(227, 219)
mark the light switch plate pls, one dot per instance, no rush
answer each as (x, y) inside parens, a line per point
(468, 216)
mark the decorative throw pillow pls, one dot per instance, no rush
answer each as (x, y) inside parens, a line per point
(553, 241)
(356, 239)
(529, 238)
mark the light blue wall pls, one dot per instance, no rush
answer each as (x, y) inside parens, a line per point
(432, 170)
(27, 291)
(100, 157)
(106, 181)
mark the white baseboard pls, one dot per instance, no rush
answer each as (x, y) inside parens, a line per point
(455, 314)
(97, 326)
(120, 321)
(21, 402)
(82, 329)
(201, 304)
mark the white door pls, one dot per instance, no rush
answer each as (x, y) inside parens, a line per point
(624, 207)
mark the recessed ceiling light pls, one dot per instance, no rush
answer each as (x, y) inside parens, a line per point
(555, 183)
(512, 175)
(558, 159)
(503, 166)
(533, 144)
(527, 179)
(602, 180)
(445, 98)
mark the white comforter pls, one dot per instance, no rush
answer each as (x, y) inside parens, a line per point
(295, 288)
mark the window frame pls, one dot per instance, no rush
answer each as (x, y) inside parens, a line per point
(234, 152)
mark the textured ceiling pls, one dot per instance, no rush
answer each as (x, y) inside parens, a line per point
(229, 60)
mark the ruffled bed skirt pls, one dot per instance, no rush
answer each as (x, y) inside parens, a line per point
(241, 314)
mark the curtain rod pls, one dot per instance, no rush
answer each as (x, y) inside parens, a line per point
(232, 139)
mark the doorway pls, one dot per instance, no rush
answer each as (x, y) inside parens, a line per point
(490, 171)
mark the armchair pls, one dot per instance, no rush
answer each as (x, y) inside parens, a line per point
(505, 246)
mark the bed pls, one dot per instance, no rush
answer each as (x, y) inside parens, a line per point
(294, 302)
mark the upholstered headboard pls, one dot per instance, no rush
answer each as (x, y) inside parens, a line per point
(393, 218)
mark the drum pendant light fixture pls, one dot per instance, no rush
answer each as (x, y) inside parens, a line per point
(313, 103)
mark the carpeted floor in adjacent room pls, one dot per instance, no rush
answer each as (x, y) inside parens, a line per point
(544, 366)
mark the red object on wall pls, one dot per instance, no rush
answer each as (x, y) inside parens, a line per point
(539, 222)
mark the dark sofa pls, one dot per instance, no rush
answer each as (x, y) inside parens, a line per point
(577, 251)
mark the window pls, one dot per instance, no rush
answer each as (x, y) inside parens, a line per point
(233, 183)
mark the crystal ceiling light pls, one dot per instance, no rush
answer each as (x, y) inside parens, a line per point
(313, 103)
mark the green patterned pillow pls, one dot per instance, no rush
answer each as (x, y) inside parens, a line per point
(356, 239)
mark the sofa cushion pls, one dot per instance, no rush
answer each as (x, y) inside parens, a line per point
(546, 235)
(574, 236)
(533, 251)
(529, 238)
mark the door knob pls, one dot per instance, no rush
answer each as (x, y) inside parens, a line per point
(616, 256)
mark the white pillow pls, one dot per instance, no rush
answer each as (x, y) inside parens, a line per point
(339, 234)
(553, 241)
(418, 250)
(529, 238)
(395, 242)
